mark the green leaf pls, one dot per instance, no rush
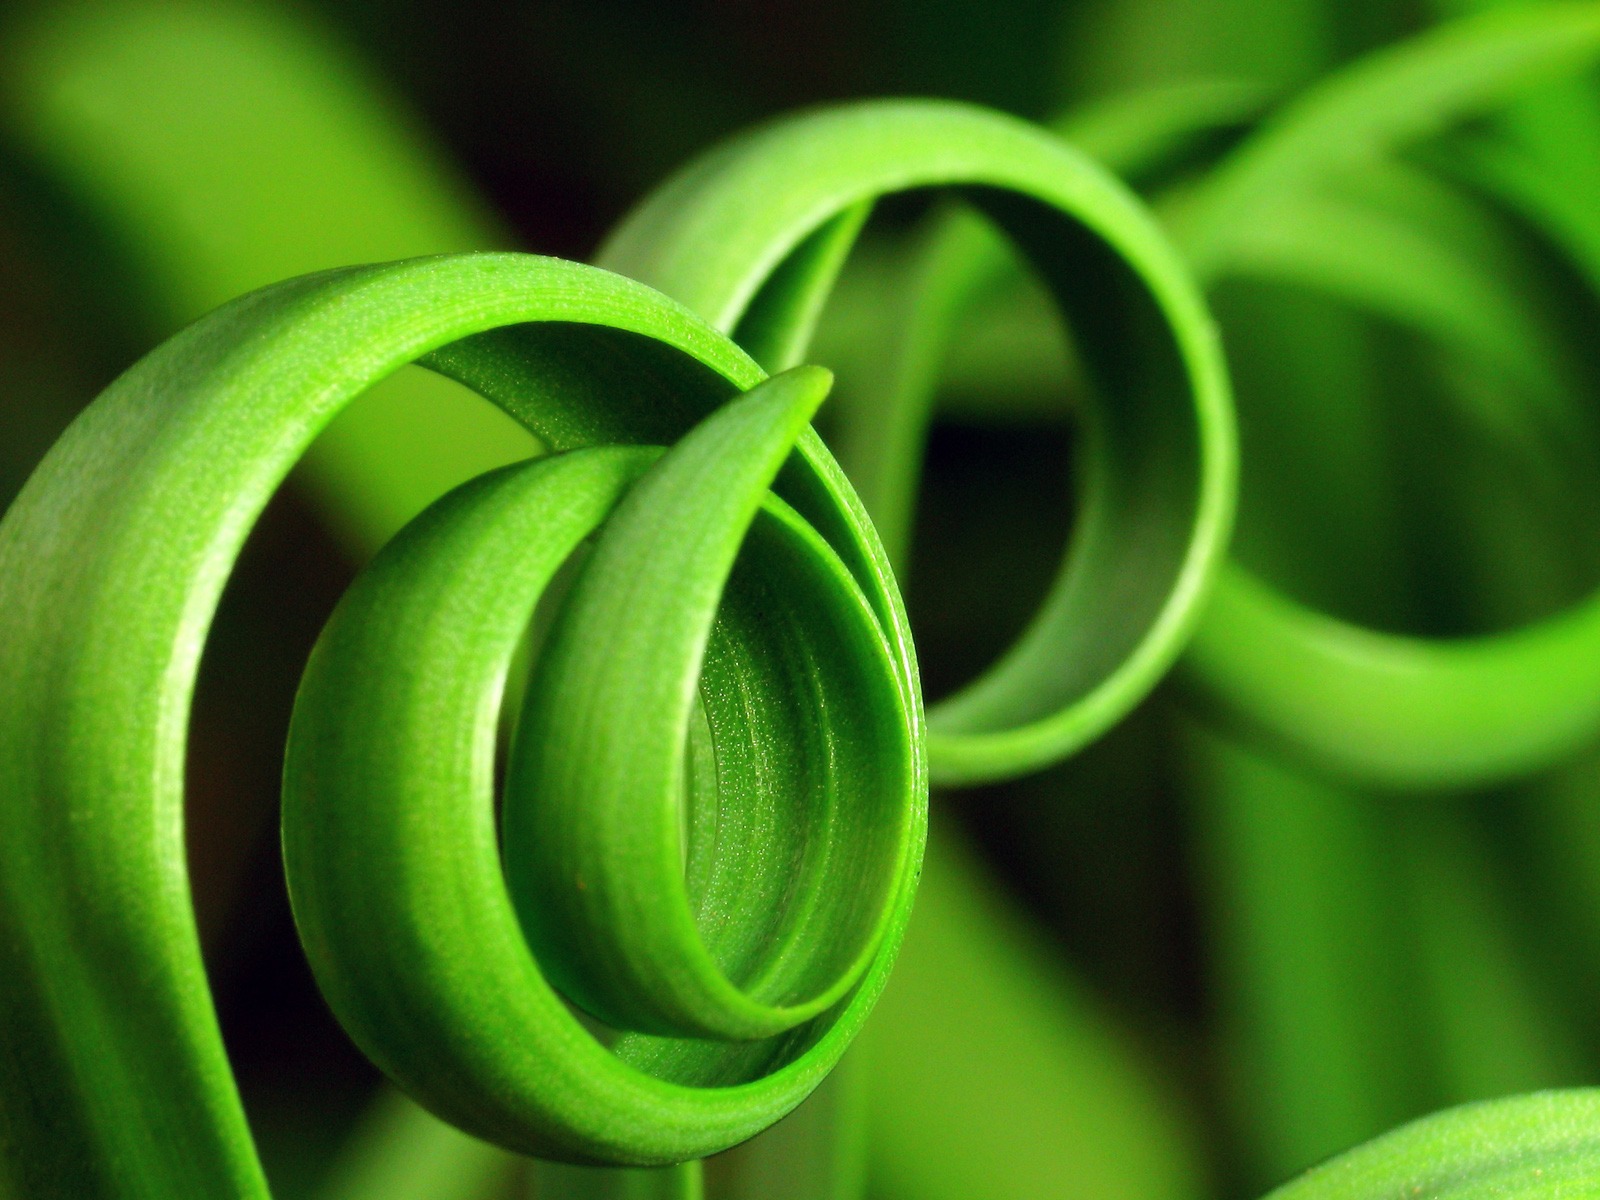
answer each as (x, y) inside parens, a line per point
(1526, 1147)
(1158, 465)
(111, 562)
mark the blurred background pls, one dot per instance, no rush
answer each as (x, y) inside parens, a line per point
(1179, 966)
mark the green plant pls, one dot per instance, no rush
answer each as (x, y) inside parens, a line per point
(150, 494)
(115, 555)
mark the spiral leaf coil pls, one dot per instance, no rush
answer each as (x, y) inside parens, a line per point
(754, 229)
(1373, 706)
(740, 757)
(114, 558)
(391, 848)
(715, 794)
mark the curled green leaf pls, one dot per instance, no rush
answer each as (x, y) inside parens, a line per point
(1378, 707)
(738, 230)
(739, 927)
(115, 1082)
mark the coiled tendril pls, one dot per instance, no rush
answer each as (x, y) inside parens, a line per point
(1320, 197)
(804, 830)
(806, 748)
(724, 722)
(715, 797)
(751, 237)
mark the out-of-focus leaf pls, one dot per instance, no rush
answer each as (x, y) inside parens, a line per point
(229, 145)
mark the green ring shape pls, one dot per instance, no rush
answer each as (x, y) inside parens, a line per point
(1394, 710)
(111, 564)
(1378, 708)
(750, 236)
(414, 660)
